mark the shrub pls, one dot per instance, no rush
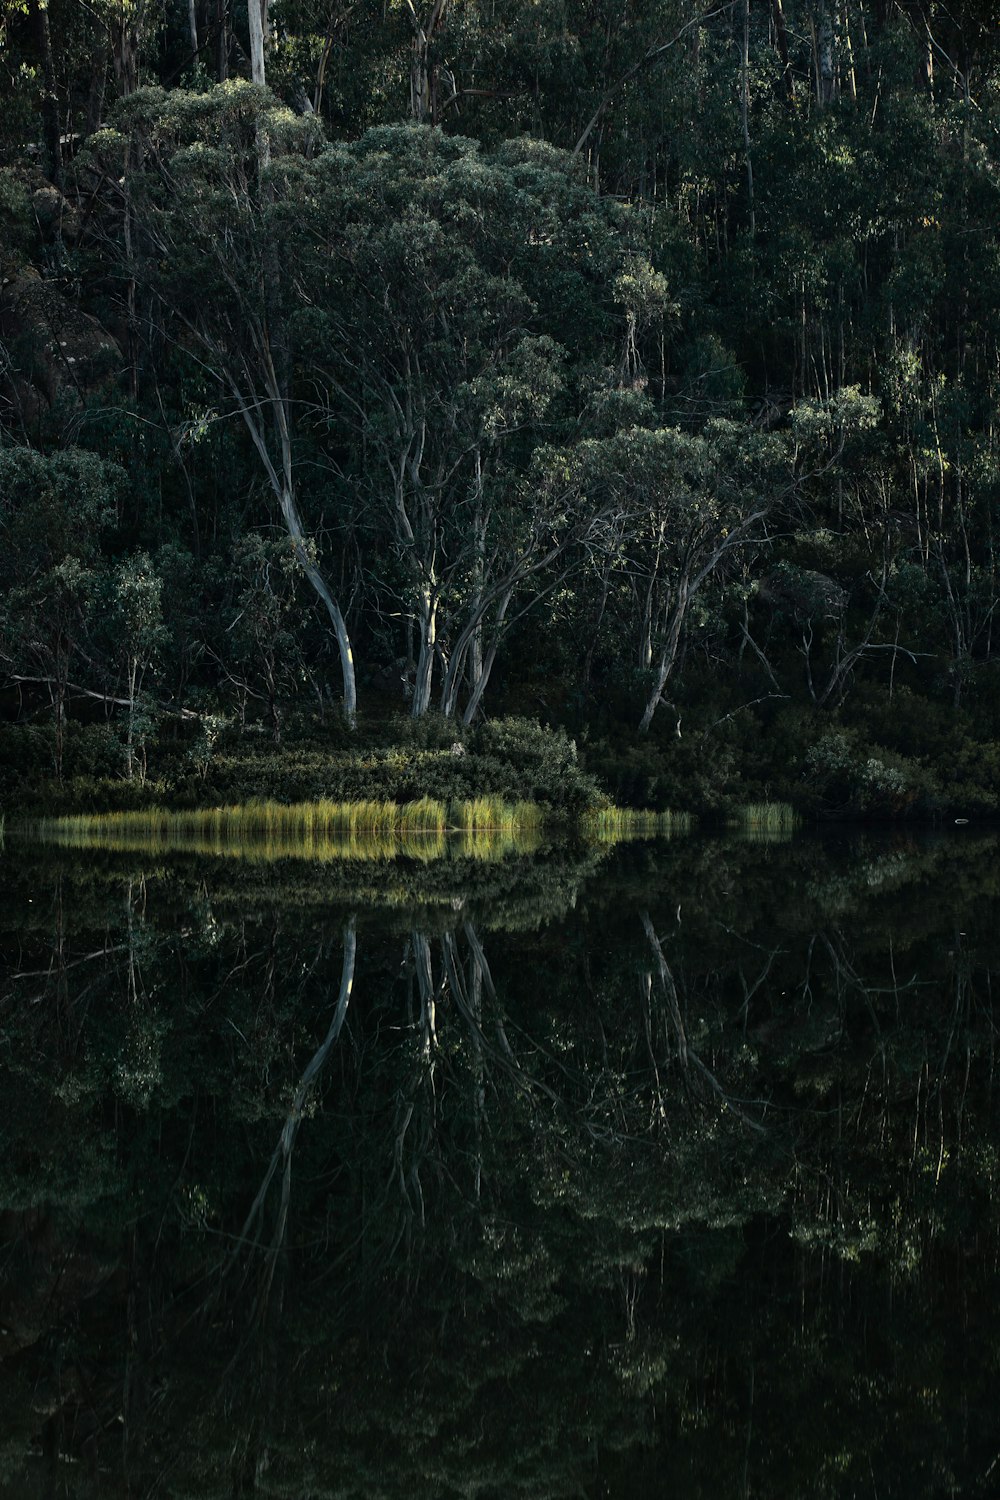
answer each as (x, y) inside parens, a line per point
(514, 760)
(536, 763)
(27, 759)
(850, 776)
(697, 774)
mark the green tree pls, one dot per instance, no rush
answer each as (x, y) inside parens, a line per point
(53, 512)
(136, 621)
(458, 306)
(207, 200)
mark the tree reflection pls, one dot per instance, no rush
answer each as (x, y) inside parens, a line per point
(588, 1193)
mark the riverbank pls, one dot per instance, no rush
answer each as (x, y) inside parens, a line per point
(825, 771)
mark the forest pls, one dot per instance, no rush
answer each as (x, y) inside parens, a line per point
(606, 388)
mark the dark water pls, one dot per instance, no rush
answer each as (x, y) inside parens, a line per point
(670, 1170)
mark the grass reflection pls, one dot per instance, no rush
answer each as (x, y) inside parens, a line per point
(615, 825)
(764, 822)
(482, 829)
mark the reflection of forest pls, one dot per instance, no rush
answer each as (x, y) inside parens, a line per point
(669, 1174)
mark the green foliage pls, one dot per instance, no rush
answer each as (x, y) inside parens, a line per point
(513, 759)
(541, 760)
(648, 364)
(631, 378)
(852, 776)
(695, 773)
(764, 820)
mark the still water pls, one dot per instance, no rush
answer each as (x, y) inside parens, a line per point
(664, 1170)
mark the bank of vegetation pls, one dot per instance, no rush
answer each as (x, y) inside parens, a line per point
(631, 371)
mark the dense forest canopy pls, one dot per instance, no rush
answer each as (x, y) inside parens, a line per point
(628, 365)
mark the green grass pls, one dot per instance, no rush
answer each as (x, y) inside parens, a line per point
(484, 828)
(612, 825)
(764, 820)
(479, 828)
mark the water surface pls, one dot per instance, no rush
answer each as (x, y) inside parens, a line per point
(665, 1169)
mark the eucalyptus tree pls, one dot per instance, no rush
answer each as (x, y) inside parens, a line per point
(260, 653)
(53, 512)
(676, 508)
(136, 620)
(422, 312)
(211, 183)
(457, 308)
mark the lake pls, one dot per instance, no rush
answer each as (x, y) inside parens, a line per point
(664, 1168)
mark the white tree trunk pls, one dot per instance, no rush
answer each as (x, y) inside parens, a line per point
(290, 512)
(258, 24)
(826, 57)
(668, 656)
(483, 665)
(423, 75)
(745, 113)
(284, 492)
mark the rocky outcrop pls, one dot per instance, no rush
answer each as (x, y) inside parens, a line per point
(52, 353)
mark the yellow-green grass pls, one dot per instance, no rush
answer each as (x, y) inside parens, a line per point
(479, 828)
(323, 830)
(764, 821)
(613, 825)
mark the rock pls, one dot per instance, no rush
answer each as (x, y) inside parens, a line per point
(54, 214)
(57, 351)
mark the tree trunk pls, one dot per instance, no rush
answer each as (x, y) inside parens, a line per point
(284, 491)
(132, 322)
(290, 512)
(282, 1156)
(745, 112)
(425, 659)
(50, 98)
(424, 967)
(125, 51)
(668, 656)
(467, 653)
(781, 41)
(851, 75)
(324, 60)
(480, 685)
(60, 708)
(285, 495)
(423, 73)
(825, 56)
(221, 40)
(255, 12)
(486, 665)
(130, 729)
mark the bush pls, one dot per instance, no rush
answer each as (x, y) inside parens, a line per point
(542, 762)
(970, 779)
(512, 759)
(847, 775)
(696, 774)
(27, 758)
